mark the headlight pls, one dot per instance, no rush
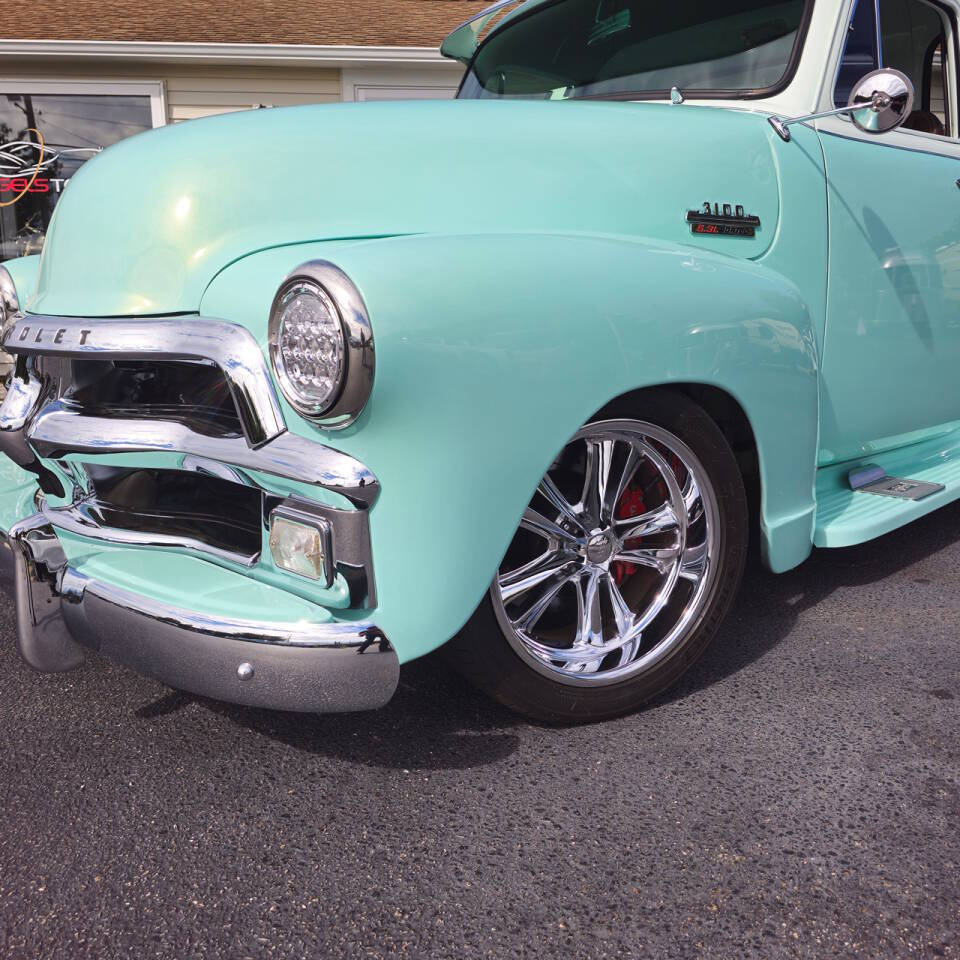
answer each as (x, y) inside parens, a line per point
(309, 353)
(321, 344)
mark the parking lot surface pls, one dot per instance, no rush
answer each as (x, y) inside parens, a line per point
(797, 795)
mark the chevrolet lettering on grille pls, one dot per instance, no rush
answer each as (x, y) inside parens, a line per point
(49, 335)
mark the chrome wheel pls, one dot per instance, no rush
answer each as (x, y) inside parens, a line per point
(615, 557)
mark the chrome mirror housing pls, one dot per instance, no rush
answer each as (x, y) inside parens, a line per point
(881, 101)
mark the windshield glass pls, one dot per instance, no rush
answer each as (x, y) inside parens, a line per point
(615, 48)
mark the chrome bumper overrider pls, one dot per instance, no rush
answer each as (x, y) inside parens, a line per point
(323, 667)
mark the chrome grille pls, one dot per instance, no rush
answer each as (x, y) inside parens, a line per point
(194, 387)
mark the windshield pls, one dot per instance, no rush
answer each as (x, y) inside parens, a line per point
(622, 48)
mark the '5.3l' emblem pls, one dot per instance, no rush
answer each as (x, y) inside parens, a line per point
(723, 220)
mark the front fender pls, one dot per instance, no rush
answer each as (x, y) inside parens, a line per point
(493, 350)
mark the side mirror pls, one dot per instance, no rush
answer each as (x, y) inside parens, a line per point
(880, 102)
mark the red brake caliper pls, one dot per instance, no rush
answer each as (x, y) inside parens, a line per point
(631, 505)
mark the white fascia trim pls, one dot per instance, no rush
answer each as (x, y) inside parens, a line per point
(276, 53)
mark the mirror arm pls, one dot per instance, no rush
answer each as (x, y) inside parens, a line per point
(781, 124)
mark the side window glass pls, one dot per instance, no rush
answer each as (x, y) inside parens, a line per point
(862, 52)
(913, 36)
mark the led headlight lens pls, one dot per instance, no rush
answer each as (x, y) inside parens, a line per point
(321, 344)
(307, 345)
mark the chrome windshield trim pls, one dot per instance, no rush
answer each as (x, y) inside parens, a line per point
(231, 347)
(58, 431)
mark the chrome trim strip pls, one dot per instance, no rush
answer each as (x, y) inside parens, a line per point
(77, 519)
(879, 33)
(231, 347)
(304, 634)
(308, 666)
(58, 431)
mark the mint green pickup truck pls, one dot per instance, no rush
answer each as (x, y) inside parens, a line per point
(303, 394)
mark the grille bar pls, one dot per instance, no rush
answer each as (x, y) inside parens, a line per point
(58, 431)
(231, 347)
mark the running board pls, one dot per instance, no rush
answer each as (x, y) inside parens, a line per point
(846, 516)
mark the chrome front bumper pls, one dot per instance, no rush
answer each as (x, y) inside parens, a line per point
(318, 667)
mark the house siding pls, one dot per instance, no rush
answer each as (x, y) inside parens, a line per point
(195, 90)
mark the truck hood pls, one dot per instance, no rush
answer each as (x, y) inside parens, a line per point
(144, 227)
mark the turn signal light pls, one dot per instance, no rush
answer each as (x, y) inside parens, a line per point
(301, 545)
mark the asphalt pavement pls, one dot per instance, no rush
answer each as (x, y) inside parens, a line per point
(798, 795)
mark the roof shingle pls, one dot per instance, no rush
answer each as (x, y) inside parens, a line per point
(416, 23)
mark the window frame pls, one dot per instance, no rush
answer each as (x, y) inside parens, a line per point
(925, 94)
(759, 93)
(951, 67)
(154, 89)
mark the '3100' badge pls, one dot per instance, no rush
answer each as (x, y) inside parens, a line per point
(723, 220)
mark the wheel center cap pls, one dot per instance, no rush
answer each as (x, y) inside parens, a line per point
(601, 547)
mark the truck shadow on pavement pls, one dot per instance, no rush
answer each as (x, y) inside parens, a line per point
(437, 721)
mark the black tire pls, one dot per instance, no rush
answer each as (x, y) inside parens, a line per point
(483, 654)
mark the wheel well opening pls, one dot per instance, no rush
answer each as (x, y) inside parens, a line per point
(732, 422)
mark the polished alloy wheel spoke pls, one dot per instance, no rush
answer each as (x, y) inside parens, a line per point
(590, 620)
(629, 650)
(657, 558)
(615, 491)
(694, 563)
(658, 520)
(530, 575)
(692, 500)
(548, 592)
(549, 490)
(549, 529)
(596, 478)
(622, 613)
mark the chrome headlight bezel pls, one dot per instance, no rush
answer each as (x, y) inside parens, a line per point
(357, 365)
